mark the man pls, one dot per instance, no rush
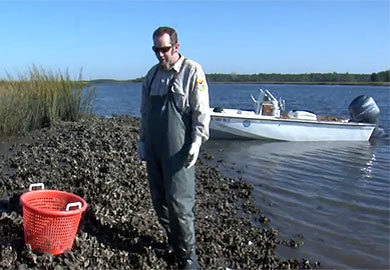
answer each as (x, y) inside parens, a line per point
(175, 122)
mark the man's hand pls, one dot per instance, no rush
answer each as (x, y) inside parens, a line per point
(141, 150)
(193, 155)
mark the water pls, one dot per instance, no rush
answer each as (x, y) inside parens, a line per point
(332, 195)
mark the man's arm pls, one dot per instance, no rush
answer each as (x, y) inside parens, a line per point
(199, 104)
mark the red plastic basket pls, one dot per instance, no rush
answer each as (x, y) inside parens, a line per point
(50, 224)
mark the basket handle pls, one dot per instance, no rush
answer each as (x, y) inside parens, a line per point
(36, 185)
(73, 204)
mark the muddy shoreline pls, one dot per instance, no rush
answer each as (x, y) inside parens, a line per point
(96, 159)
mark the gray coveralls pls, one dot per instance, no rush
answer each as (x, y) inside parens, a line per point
(168, 138)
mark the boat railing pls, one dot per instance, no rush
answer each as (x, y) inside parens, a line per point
(267, 104)
(258, 106)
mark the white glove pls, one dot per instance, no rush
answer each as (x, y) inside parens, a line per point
(141, 150)
(193, 155)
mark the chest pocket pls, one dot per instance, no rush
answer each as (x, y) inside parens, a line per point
(180, 97)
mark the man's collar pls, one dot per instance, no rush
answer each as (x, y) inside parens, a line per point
(177, 65)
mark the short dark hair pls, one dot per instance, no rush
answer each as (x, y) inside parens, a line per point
(166, 30)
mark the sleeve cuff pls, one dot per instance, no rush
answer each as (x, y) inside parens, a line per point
(198, 141)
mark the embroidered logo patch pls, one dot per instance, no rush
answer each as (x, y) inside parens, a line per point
(200, 84)
(246, 123)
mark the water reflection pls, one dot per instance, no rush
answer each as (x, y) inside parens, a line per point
(271, 155)
(332, 193)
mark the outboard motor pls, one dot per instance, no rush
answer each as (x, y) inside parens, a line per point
(363, 109)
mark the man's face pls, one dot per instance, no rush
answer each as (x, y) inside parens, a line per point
(166, 52)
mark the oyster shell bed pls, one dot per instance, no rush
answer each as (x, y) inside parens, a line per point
(96, 158)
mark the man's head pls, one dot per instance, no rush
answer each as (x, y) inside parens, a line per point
(166, 46)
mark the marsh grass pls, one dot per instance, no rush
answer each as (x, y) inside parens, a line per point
(42, 98)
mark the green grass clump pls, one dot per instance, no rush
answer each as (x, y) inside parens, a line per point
(42, 98)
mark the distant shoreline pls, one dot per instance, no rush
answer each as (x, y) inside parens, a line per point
(331, 78)
(256, 82)
(312, 83)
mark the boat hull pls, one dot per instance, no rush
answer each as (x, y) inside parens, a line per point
(236, 124)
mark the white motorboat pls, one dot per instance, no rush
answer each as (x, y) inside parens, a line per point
(267, 122)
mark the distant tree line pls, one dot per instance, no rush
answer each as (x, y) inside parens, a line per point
(382, 76)
(334, 77)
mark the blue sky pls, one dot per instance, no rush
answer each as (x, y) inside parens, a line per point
(112, 39)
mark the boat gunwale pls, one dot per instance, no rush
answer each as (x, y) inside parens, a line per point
(272, 118)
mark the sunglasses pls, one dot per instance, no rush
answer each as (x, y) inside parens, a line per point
(161, 49)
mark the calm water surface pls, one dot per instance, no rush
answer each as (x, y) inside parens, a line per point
(334, 195)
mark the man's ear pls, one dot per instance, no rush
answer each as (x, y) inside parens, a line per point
(176, 46)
